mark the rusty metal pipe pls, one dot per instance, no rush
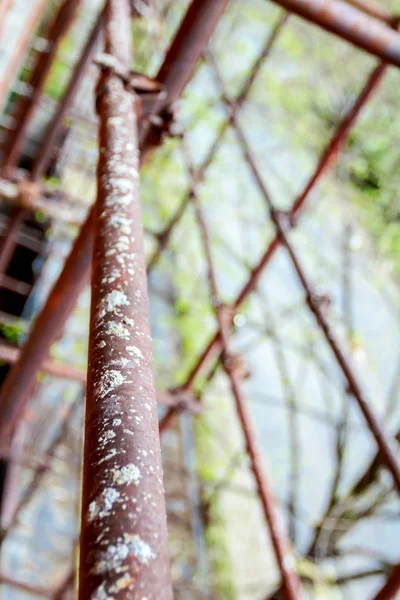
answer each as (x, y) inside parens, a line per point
(391, 587)
(25, 111)
(15, 389)
(351, 24)
(373, 9)
(183, 55)
(123, 551)
(46, 328)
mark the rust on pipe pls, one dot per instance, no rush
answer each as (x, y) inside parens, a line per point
(392, 586)
(10, 239)
(351, 24)
(375, 10)
(123, 550)
(283, 552)
(16, 387)
(28, 105)
(182, 57)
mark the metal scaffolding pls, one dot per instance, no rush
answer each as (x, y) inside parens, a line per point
(123, 549)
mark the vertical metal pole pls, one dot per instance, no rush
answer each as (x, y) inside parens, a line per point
(123, 550)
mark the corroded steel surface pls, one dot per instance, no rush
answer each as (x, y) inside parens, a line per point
(392, 586)
(123, 552)
(62, 299)
(351, 24)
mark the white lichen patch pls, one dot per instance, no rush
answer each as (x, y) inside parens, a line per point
(126, 475)
(139, 548)
(128, 321)
(123, 224)
(113, 299)
(111, 559)
(111, 454)
(107, 436)
(102, 506)
(109, 381)
(134, 350)
(120, 362)
(101, 594)
(114, 328)
(117, 422)
(122, 583)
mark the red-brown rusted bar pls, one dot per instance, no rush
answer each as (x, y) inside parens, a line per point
(164, 236)
(183, 55)
(392, 586)
(28, 105)
(44, 155)
(388, 447)
(10, 355)
(351, 24)
(283, 552)
(328, 156)
(123, 550)
(15, 389)
(375, 10)
(35, 9)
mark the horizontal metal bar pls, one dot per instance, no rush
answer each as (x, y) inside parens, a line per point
(351, 24)
(10, 355)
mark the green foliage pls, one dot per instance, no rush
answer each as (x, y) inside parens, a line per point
(11, 332)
